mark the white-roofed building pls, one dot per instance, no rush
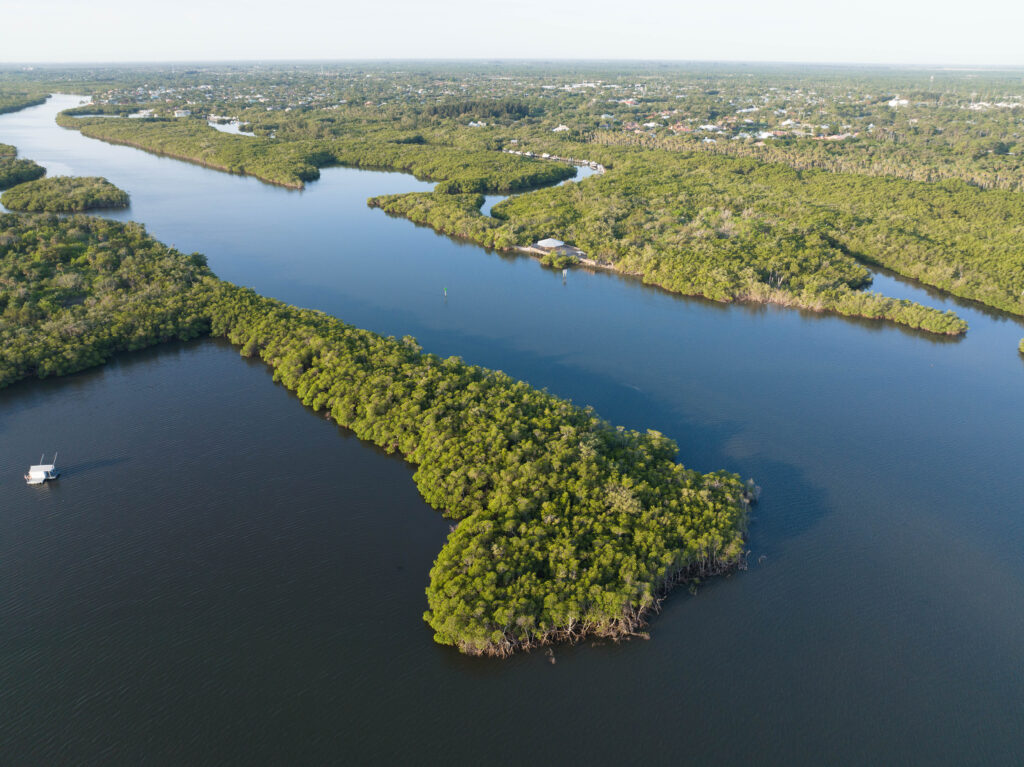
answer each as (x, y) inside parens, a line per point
(553, 247)
(550, 243)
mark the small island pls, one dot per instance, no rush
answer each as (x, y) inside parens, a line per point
(64, 194)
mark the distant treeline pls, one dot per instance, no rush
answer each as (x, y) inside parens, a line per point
(292, 163)
(963, 125)
(12, 101)
(568, 526)
(64, 194)
(93, 108)
(505, 108)
(983, 162)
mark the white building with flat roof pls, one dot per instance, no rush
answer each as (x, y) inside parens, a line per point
(550, 242)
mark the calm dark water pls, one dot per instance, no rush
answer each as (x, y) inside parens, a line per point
(223, 576)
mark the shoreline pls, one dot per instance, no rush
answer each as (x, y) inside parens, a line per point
(293, 185)
(628, 626)
(776, 298)
(185, 158)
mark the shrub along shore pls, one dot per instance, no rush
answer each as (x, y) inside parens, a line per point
(64, 194)
(16, 171)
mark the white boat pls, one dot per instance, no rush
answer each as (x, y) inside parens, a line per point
(41, 472)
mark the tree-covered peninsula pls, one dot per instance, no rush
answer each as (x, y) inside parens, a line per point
(756, 265)
(567, 527)
(64, 194)
(14, 170)
(75, 291)
(720, 227)
(293, 163)
(736, 229)
(14, 100)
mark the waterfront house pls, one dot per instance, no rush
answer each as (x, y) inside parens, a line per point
(557, 247)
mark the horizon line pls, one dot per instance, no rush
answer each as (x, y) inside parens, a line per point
(942, 66)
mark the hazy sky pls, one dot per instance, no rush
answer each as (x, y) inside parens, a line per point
(869, 31)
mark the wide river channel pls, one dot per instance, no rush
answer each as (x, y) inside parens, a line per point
(223, 576)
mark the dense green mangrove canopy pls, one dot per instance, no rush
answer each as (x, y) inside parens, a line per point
(64, 194)
(12, 100)
(726, 228)
(292, 163)
(567, 526)
(14, 170)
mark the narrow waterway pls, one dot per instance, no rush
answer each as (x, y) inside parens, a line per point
(233, 127)
(223, 576)
(490, 200)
